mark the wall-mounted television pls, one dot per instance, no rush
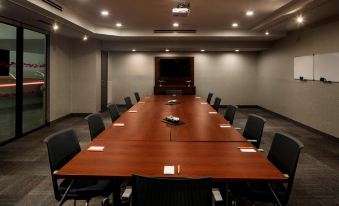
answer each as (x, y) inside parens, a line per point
(174, 70)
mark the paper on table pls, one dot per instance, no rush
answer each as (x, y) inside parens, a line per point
(197, 97)
(96, 148)
(141, 102)
(132, 111)
(224, 125)
(203, 103)
(118, 124)
(212, 112)
(169, 170)
(248, 150)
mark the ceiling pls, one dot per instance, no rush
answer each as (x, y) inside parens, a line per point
(152, 14)
(211, 19)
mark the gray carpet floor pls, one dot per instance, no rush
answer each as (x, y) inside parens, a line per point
(25, 176)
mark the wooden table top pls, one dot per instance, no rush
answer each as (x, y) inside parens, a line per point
(220, 160)
(144, 145)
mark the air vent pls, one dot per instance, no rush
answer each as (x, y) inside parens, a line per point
(53, 4)
(190, 31)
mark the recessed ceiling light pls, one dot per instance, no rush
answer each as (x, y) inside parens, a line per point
(55, 26)
(267, 33)
(235, 24)
(249, 13)
(176, 24)
(300, 19)
(202, 50)
(167, 50)
(118, 24)
(104, 13)
(133, 50)
(85, 38)
(237, 50)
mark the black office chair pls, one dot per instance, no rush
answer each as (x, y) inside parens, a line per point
(174, 92)
(230, 113)
(216, 104)
(209, 98)
(96, 124)
(149, 191)
(62, 147)
(253, 129)
(113, 111)
(128, 102)
(137, 96)
(284, 154)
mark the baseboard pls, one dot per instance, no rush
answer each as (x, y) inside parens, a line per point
(68, 116)
(331, 137)
(242, 106)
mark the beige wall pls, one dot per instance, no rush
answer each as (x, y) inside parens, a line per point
(74, 77)
(312, 103)
(60, 77)
(232, 76)
(85, 77)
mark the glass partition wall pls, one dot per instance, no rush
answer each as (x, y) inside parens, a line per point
(23, 69)
(34, 80)
(8, 41)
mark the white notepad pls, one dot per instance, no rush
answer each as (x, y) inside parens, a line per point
(248, 150)
(169, 170)
(118, 124)
(197, 97)
(224, 126)
(96, 148)
(133, 111)
(212, 112)
(203, 103)
(141, 102)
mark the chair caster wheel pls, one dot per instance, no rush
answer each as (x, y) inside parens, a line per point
(105, 202)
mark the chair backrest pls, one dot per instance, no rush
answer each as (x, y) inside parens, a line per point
(174, 92)
(137, 96)
(149, 191)
(62, 146)
(216, 104)
(128, 102)
(254, 128)
(230, 113)
(209, 98)
(284, 154)
(96, 124)
(113, 111)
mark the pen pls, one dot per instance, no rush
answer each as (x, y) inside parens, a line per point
(178, 169)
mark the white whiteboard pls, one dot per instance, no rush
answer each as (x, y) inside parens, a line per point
(303, 67)
(327, 65)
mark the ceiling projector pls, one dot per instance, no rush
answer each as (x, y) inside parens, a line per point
(182, 10)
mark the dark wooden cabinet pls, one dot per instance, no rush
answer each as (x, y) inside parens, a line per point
(185, 89)
(178, 79)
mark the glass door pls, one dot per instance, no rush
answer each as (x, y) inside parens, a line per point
(8, 36)
(34, 80)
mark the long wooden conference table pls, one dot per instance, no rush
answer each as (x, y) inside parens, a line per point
(204, 146)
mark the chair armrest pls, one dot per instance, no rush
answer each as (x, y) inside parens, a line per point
(260, 150)
(127, 193)
(237, 128)
(216, 195)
